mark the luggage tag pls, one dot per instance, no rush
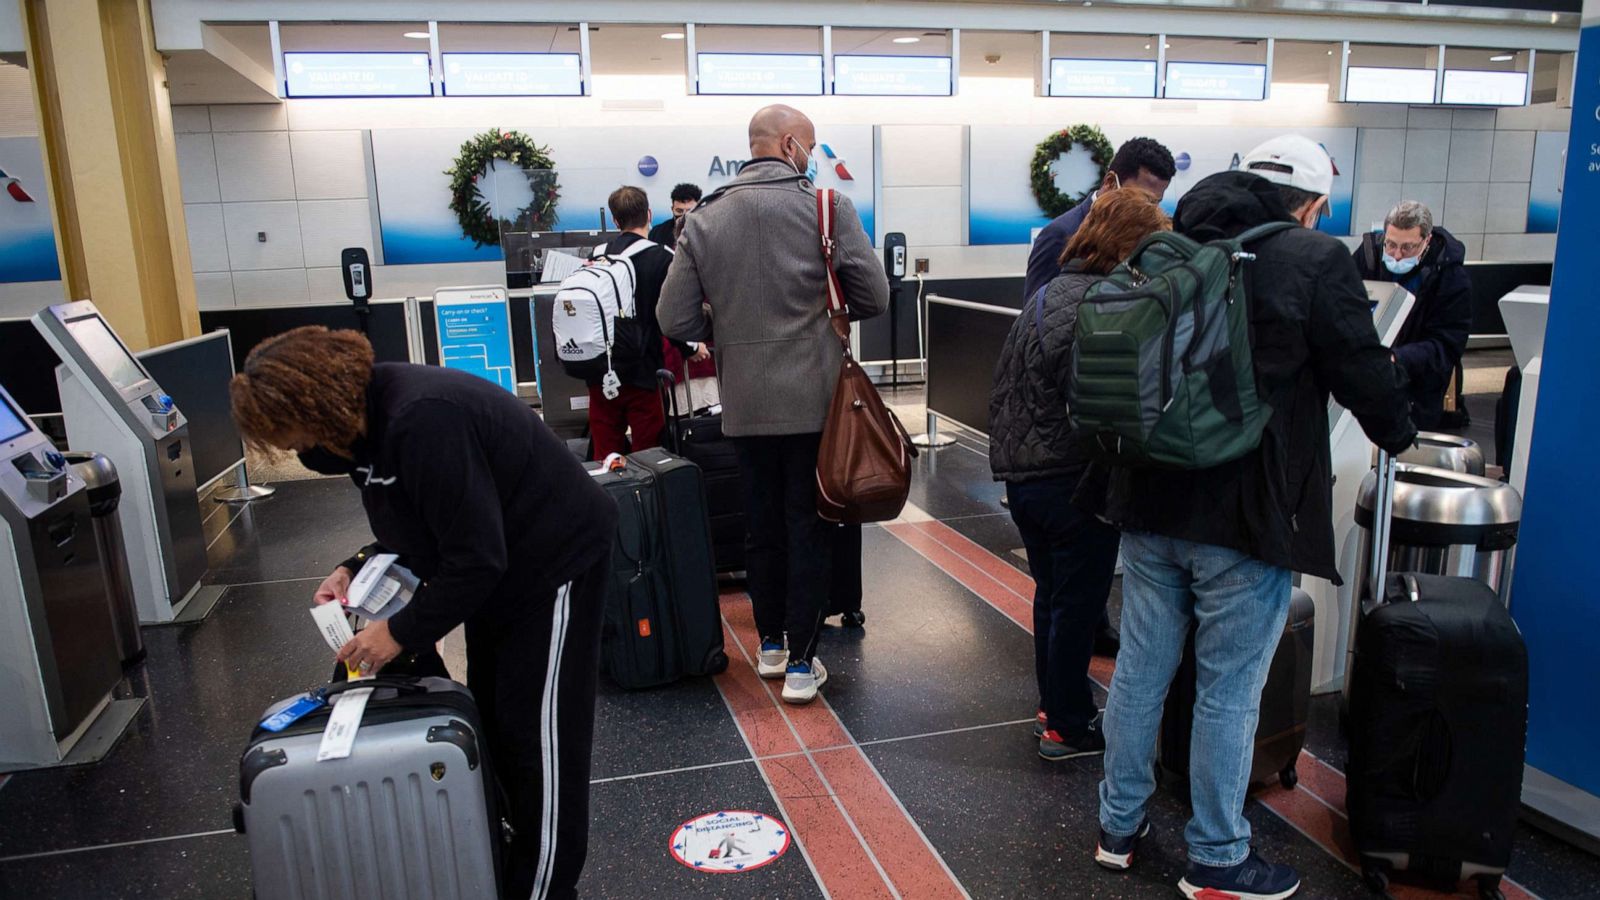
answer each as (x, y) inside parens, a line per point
(296, 711)
(339, 738)
(611, 385)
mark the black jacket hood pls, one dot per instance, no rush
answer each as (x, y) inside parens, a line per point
(1227, 203)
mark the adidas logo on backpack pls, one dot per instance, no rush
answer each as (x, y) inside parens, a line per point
(599, 302)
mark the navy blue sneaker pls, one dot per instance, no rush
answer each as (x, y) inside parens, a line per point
(1253, 879)
(1115, 851)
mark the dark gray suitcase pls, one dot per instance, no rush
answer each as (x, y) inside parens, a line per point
(1285, 702)
(412, 813)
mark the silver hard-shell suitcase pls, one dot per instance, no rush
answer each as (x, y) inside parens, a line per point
(412, 813)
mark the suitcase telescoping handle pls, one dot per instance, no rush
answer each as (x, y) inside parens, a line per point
(1382, 517)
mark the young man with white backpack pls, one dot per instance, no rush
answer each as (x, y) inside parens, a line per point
(607, 334)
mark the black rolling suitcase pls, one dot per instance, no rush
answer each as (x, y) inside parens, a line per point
(662, 619)
(844, 588)
(1285, 703)
(698, 438)
(1437, 720)
(419, 776)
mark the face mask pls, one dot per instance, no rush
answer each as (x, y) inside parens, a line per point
(810, 171)
(1401, 266)
(323, 461)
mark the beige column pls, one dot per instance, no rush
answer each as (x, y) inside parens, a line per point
(106, 127)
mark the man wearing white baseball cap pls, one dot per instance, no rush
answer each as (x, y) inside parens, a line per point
(1213, 549)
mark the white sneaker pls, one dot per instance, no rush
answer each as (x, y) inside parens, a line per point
(801, 681)
(772, 661)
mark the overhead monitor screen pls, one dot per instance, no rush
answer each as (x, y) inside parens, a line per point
(357, 75)
(760, 73)
(512, 75)
(1472, 88)
(1216, 81)
(105, 351)
(901, 76)
(1375, 84)
(1102, 78)
(12, 423)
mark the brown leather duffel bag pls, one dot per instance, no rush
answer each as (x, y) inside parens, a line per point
(864, 463)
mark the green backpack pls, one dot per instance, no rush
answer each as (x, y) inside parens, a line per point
(1162, 373)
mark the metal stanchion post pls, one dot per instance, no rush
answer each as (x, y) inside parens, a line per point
(932, 438)
(243, 491)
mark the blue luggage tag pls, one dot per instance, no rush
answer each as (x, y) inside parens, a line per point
(295, 711)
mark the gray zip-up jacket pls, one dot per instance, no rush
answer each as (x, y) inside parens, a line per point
(752, 252)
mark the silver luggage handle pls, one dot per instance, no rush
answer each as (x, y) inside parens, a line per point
(1382, 517)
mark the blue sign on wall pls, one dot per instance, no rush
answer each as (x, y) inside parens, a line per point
(1216, 81)
(357, 75)
(1102, 78)
(475, 333)
(760, 73)
(902, 76)
(512, 74)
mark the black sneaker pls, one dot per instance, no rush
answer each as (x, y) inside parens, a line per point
(1253, 879)
(1115, 851)
(1055, 747)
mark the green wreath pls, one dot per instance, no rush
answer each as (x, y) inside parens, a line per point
(467, 202)
(1051, 200)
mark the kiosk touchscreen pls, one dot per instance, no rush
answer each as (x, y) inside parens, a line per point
(1352, 456)
(58, 650)
(113, 406)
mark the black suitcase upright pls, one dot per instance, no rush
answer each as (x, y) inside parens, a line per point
(691, 568)
(647, 639)
(1285, 702)
(1438, 719)
(699, 439)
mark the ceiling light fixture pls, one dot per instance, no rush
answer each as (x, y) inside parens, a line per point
(418, 35)
(907, 40)
(1502, 57)
(672, 36)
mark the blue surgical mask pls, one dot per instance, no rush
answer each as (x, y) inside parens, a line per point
(810, 171)
(1401, 266)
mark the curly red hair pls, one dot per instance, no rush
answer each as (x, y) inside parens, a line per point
(309, 379)
(1116, 223)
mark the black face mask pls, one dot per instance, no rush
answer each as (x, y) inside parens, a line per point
(323, 461)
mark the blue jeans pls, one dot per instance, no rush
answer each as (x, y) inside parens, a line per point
(1240, 605)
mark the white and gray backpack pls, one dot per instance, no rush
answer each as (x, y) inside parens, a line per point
(590, 307)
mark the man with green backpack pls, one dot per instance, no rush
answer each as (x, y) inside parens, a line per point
(1201, 375)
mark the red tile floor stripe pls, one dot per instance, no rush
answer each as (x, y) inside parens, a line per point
(885, 827)
(1315, 807)
(815, 818)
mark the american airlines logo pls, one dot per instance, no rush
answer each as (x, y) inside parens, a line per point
(838, 163)
(14, 188)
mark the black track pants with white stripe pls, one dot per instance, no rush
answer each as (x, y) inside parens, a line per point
(534, 680)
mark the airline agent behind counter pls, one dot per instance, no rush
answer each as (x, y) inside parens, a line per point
(508, 534)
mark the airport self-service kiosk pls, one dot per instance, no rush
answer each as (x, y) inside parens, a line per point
(58, 652)
(113, 406)
(1352, 458)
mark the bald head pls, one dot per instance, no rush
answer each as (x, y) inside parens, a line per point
(773, 127)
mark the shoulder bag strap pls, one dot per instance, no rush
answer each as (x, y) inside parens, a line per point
(838, 314)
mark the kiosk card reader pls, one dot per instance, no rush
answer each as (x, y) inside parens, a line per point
(113, 406)
(58, 650)
(1352, 457)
